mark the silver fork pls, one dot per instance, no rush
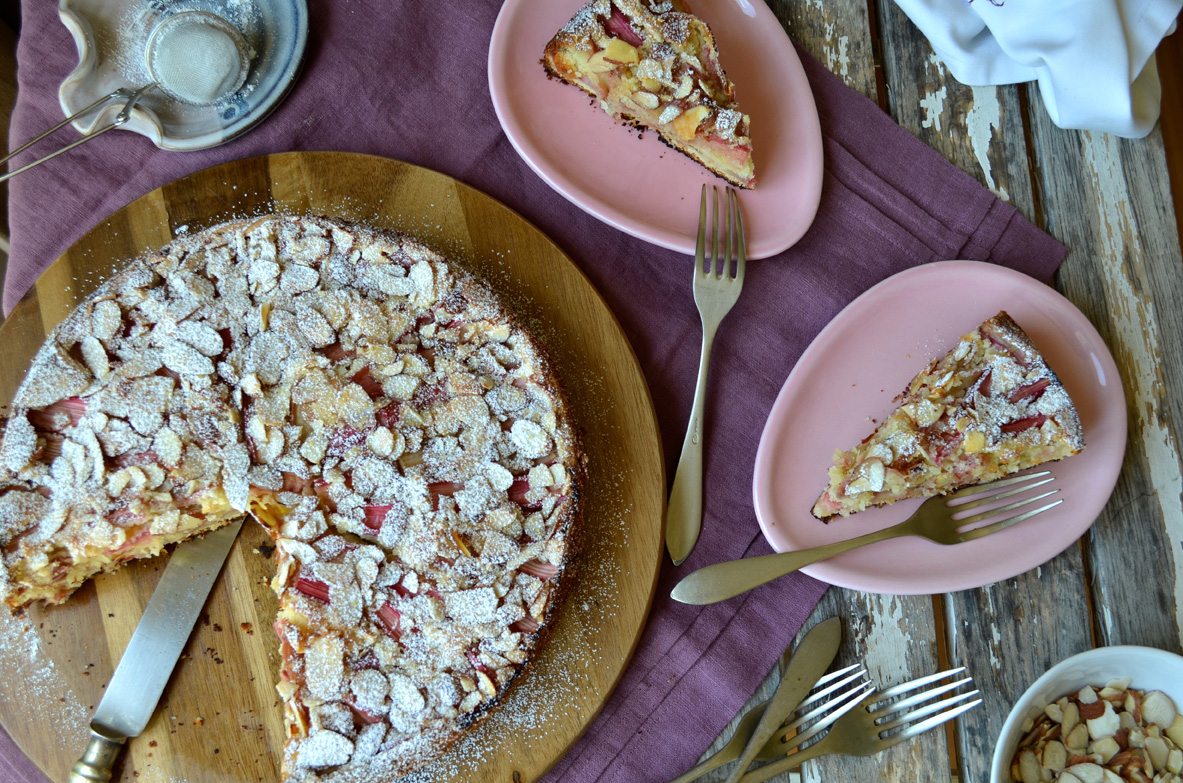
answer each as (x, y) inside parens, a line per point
(819, 715)
(938, 519)
(715, 292)
(875, 723)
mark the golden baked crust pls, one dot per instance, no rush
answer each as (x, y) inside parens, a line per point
(653, 64)
(375, 408)
(988, 408)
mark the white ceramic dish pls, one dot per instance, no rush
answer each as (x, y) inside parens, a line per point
(1149, 669)
(111, 37)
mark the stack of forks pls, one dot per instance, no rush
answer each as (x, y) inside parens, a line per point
(858, 721)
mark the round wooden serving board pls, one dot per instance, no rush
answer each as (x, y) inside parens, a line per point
(219, 719)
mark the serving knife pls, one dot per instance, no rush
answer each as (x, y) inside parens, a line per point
(810, 660)
(152, 653)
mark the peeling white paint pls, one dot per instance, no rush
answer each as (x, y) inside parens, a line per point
(837, 60)
(980, 122)
(891, 634)
(1135, 328)
(889, 639)
(935, 61)
(933, 104)
(995, 632)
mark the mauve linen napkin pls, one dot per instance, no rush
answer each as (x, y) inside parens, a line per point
(408, 80)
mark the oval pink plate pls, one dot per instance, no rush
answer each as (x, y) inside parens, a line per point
(845, 382)
(643, 187)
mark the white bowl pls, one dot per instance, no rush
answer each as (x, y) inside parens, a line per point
(1149, 669)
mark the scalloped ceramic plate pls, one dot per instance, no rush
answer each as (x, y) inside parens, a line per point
(845, 382)
(642, 187)
(111, 36)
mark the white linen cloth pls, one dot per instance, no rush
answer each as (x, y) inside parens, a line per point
(1093, 59)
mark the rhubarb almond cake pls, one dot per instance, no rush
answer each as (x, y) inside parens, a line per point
(375, 407)
(989, 407)
(653, 64)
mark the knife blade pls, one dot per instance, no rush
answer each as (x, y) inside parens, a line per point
(152, 653)
(810, 660)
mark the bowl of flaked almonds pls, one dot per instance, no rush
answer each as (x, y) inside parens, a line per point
(1109, 715)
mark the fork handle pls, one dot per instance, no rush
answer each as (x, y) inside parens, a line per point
(785, 764)
(721, 581)
(714, 762)
(683, 516)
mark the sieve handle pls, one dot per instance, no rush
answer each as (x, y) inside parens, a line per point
(101, 104)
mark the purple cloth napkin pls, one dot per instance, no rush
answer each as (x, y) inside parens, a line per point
(408, 80)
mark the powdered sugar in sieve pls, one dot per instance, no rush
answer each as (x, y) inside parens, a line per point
(197, 57)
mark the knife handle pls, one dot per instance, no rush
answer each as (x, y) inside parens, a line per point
(97, 761)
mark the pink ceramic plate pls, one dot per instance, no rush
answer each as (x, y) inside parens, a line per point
(642, 186)
(846, 380)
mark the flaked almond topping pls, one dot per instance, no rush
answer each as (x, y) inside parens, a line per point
(391, 442)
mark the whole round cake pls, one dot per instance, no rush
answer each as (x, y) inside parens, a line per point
(374, 407)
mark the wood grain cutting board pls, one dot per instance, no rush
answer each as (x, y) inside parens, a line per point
(219, 719)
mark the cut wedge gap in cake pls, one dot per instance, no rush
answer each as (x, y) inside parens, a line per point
(988, 408)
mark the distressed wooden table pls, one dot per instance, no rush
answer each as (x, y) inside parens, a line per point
(1109, 200)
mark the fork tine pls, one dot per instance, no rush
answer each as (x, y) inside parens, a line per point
(912, 685)
(713, 269)
(984, 515)
(927, 709)
(821, 694)
(929, 723)
(829, 712)
(986, 530)
(729, 198)
(742, 258)
(700, 248)
(923, 696)
(998, 496)
(857, 692)
(977, 489)
(835, 675)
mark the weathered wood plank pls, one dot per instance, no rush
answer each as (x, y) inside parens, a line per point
(895, 637)
(881, 631)
(1170, 70)
(837, 33)
(980, 129)
(1109, 200)
(1006, 635)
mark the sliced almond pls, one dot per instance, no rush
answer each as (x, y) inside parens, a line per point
(646, 99)
(1028, 767)
(1175, 731)
(1174, 762)
(1055, 755)
(1157, 708)
(1088, 773)
(1104, 725)
(1158, 751)
(1105, 748)
(686, 125)
(1078, 738)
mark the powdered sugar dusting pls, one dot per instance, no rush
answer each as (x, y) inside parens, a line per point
(25, 661)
